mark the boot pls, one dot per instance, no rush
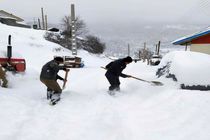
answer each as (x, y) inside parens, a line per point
(49, 94)
(55, 98)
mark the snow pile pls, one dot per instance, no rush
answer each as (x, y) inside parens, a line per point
(189, 68)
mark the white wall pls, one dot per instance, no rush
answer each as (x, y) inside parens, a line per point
(203, 48)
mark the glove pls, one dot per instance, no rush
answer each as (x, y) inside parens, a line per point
(65, 69)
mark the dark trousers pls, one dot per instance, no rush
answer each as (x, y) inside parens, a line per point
(114, 81)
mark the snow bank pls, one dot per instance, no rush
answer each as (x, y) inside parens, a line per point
(189, 68)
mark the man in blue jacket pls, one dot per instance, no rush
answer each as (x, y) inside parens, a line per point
(49, 76)
(114, 70)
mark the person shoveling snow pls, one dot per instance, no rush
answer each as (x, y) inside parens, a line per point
(49, 76)
(114, 70)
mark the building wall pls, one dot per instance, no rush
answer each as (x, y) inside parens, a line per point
(202, 40)
(203, 48)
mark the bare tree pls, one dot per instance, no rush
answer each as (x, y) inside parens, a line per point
(144, 54)
(80, 26)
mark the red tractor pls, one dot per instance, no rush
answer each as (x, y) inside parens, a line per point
(12, 64)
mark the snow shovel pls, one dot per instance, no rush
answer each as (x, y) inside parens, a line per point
(156, 83)
(65, 79)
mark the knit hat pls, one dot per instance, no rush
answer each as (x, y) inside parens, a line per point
(58, 59)
(128, 59)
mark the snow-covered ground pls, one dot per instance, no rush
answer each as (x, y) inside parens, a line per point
(86, 112)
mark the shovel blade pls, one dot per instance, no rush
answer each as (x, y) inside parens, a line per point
(157, 83)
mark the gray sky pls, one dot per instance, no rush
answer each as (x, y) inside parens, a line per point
(114, 11)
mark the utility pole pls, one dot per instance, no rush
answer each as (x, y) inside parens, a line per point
(128, 49)
(156, 48)
(144, 45)
(39, 24)
(158, 51)
(46, 22)
(144, 52)
(43, 23)
(73, 31)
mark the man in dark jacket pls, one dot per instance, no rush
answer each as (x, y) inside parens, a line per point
(49, 76)
(114, 70)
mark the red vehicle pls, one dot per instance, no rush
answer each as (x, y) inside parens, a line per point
(12, 64)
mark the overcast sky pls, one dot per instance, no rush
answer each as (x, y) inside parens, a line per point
(114, 11)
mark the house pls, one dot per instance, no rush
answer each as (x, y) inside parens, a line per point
(12, 20)
(198, 42)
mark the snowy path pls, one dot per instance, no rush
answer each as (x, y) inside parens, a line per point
(87, 112)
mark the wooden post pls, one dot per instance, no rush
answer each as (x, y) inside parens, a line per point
(43, 23)
(46, 27)
(186, 47)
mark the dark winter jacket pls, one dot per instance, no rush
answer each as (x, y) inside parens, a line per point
(115, 68)
(50, 71)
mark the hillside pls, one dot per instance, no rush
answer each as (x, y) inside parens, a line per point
(86, 111)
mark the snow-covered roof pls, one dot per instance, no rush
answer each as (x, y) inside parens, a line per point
(4, 14)
(191, 37)
(4, 17)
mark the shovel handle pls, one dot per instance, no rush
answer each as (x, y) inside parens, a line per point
(65, 78)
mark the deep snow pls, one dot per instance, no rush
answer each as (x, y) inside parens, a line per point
(86, 111)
